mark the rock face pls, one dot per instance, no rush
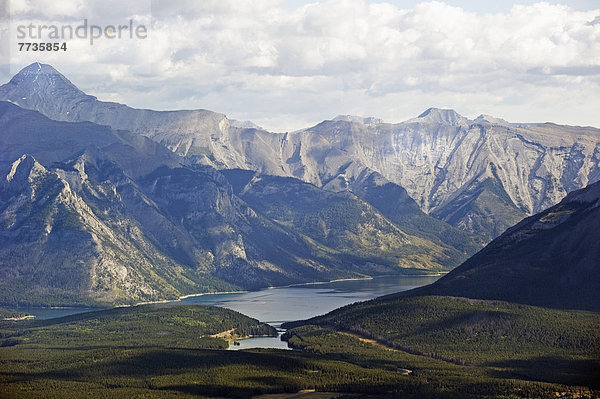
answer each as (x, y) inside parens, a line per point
(68, 233)
(92, 215)
(549, 259)
(56, 249)
(479, 175)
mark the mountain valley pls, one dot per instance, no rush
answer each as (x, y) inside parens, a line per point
(169, 203)
(92, 215)
(109, 206)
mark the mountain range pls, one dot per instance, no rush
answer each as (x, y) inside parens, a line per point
(480, 175)
(102, 203)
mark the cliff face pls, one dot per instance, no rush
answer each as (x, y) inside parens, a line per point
(479, 175)
(57, 248)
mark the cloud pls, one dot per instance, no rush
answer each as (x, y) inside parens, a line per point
(283, 67)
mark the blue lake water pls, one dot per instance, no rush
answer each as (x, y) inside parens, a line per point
(280, 304)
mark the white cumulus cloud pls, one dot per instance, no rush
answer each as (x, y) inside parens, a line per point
(285, 67)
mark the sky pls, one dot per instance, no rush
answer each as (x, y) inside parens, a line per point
(287, 64)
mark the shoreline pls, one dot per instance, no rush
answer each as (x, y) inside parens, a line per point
(437, 274)
(319, 282)
(211, 293)
(164, 301)
(181, 297)
(26, 317)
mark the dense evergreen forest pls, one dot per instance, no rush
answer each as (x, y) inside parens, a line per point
(513, 340)
(161, 351)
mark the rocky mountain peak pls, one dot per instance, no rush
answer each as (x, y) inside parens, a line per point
(36, 68)
(440, 116)
(187, 132)
(37, 76)
(23, 176)
(483, 118)
(23, 168)
(42, 88)
(244, 124)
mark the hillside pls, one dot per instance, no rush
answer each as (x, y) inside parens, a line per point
(159, 351)
(532, 343)
(351, 227)
(193, 326)
(550, 259)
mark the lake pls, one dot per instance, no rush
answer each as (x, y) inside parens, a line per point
(280, 304)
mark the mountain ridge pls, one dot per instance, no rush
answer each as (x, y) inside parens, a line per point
(168, 175)
(457, 170)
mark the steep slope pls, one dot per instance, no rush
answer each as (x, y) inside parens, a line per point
(550, 259)
(56, 249)
(341, 224)
(27, 132)
(480, 177)
(113, 217)
(395, 204)
(188, 132)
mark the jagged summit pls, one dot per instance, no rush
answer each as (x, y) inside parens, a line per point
(438, 115)
(21, 169)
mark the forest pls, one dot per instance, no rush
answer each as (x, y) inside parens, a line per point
(163, 351)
